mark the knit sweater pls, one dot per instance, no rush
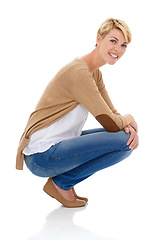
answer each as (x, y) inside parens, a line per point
(74, 84)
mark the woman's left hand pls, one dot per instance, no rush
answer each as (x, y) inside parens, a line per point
(133, 141)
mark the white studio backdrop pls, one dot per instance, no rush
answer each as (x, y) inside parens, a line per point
(38, 37)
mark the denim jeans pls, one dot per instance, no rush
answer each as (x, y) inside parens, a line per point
(71, 161)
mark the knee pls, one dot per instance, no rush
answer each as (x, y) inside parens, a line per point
(124, 139)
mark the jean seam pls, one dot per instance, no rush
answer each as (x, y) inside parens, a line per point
(81, 154)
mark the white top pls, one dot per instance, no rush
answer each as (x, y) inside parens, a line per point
(70, 126)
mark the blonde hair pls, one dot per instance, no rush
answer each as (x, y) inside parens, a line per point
(111, 23)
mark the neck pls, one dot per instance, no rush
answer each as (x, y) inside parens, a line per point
(93, 60)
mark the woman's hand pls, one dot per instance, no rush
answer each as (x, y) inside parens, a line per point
(134, 125)
(130, 120)
(133, 141)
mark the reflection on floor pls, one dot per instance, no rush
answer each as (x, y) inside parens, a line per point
(59, 225)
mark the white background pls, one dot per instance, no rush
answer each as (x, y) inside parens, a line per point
(37, 38)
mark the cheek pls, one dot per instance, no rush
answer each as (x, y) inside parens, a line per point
(105, 49)
(109, 47)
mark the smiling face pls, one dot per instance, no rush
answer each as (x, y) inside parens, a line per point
(112, 46)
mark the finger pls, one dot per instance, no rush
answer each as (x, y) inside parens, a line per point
(137, 144)
(126, 130)
(132, 147)
(134, 143)
(135, 147)
(130, 139)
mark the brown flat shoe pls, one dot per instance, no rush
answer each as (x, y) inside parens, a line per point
(51, 190)
(77, 197)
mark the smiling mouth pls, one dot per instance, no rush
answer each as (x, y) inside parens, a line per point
(115, 56)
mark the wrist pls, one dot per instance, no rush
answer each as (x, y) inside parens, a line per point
(129, 119)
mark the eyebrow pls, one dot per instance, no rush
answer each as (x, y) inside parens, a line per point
(118, 40)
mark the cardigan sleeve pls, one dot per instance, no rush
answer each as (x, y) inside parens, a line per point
(103, 91)
(86, 92)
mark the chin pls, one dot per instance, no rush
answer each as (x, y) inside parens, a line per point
(111, 63)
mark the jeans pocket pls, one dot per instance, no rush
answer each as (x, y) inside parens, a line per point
(38, 170)
(41, 171)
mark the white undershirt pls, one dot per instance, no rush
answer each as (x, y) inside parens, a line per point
(70, 126)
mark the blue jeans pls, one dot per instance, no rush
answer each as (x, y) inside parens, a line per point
(71, 161)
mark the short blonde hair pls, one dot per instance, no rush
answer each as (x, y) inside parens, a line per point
(111, 23)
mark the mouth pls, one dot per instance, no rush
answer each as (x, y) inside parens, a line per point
(114, 56)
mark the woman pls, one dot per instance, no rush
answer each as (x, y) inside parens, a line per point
(53, 144)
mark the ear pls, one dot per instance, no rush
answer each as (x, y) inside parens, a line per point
(98, 39)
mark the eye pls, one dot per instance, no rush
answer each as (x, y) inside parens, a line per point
(124, 45)
(113, 41)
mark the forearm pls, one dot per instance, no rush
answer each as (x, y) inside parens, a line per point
(107, 99)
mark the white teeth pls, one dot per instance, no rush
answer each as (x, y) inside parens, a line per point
(115, 56)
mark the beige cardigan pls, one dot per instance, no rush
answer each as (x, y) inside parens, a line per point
(73, 85)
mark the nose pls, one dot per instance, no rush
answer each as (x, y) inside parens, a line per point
(118, 48)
